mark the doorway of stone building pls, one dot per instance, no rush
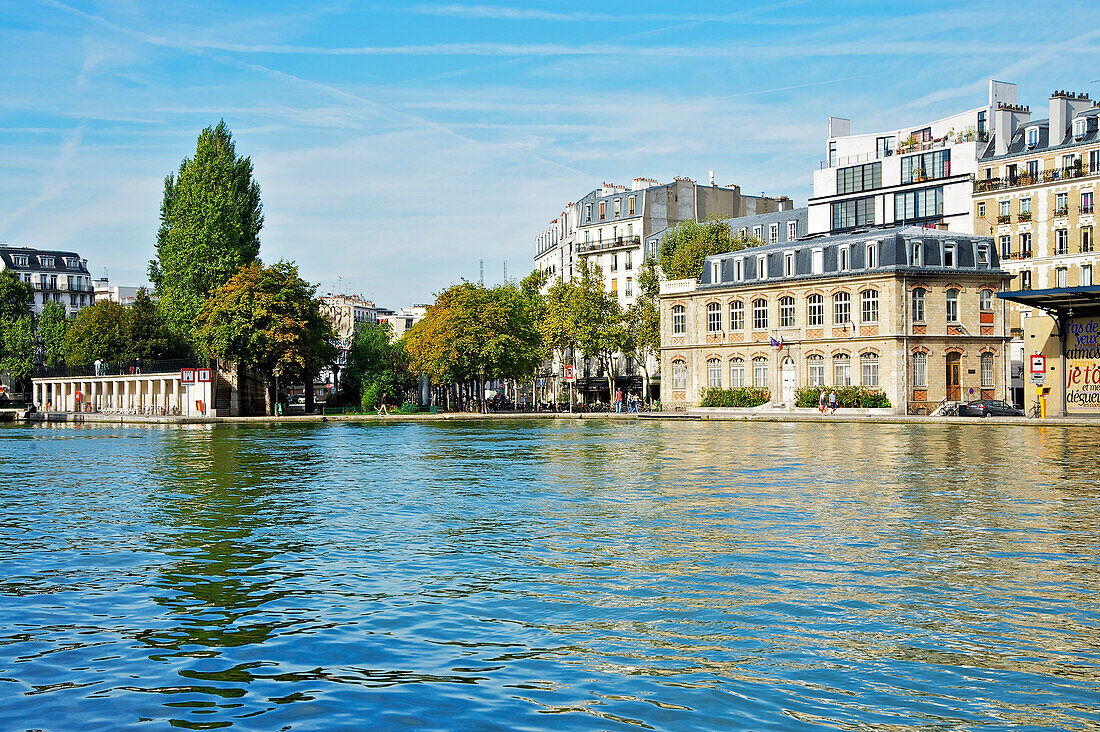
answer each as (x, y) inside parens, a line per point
(953, 376)
(788, 381)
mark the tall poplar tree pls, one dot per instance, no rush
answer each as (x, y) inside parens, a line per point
(210, 222)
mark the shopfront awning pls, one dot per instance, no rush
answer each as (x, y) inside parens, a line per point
(1067, 301)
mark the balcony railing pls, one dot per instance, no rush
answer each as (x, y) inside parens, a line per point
(1024, 216)
(1061, 211)
(984, 185)
(1086, 208)
(1003, 218)
(621, 241)
(121, 368)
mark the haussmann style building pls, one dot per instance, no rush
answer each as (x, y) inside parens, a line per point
(906, 310)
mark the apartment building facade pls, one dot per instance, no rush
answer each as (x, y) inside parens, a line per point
(916, 175)
(55, 276)
(909, 311)
(1034, 195)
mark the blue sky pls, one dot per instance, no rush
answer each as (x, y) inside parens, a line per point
(395, 145)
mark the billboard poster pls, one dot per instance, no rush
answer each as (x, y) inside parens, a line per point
(1083, 366)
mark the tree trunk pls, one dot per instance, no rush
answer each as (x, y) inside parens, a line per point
(309, 395)
(645, 382)
(269, 390)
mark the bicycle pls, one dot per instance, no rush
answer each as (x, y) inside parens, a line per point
(1036, 410)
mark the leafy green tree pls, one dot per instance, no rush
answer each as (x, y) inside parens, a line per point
(376, 365)
(685, 247)
(643, 322)
(16, 296)
(17, 348)
(97, 332)
(53, 326)
(210, 222)
(266, 318)
(596, 319)
(148, 336)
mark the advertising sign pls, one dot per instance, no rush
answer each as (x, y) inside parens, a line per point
(1083, 366)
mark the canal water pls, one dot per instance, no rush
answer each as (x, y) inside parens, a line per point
(590, 575)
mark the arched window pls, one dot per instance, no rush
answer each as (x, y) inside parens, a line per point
(714, 317)
(679, 375)
(815, 311)
(786, 312)
(952, 306)
(679, 320)
(918, 305)
(987, 371)
(760, 372)
(737, 373)
(868, 363)
(985, 300)
(815, 370)
(842, 308)
(869, 306)
(842, 370)
(760, 314)
(714, 373)
(920, 370)
(737, 315)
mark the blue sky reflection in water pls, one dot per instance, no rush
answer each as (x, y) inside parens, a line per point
(547, 575)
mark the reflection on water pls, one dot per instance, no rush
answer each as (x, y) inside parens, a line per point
(592, 575)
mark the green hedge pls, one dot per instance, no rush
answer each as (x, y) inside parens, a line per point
(747, 397)
(846, 396)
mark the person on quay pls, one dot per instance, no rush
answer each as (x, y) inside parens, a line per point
(822, 401)
(619, 400)
(382, 405)
(832, 402)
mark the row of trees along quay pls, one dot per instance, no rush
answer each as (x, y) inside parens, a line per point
(212, 295)
(472, 334)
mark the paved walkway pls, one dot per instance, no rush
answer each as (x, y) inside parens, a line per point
(852, 415)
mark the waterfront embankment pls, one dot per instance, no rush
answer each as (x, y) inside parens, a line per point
(716, 415)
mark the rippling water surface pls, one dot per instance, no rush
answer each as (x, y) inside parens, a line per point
(549, 575)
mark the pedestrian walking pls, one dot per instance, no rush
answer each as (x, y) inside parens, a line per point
(822, 401)
(832, 402)
(619, 400)
(382, 405)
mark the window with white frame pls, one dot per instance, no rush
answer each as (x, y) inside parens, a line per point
(760, 372)
(1061, 241)
(737, 372)
(1086, 275)
(868, 364)
(630, 205)
(949, 255)
(788, 264)
(985, 299)
(1032, 136)
(842, 308)
(1061, 204)
(1079, 127)
(773, 233)
(987, 371)
(952, 306)
(792, 230)
(714, 373)
(1006, 208)
(737, 315)
(917, 256)
(815, 311)
(1006, 246)
(870, 259)
(1086, 238)
(715, 272)
(1061, 277)
(786, 312)
(869, 306)
(679, 320)
(815, 370)
(983, 256)
(738, 270)
(920, 370)
(842, 259)
(761, 268)
(679, 375)
(1025, 244)
(1025, 205)
(1086, 202)
(760, 314)
(714, 317)
(842, 370)
(817, 259)
(758, 232)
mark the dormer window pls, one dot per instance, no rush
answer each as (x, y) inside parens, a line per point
(738, 270)
(949, 255)
(72, 262)
(842, 258)
(715, 271)
(1032, 136)
(19, 260)
(46, 261)
(762, 268)
(918, 255)
(788, 264)
(1079, 127)
(871, 260)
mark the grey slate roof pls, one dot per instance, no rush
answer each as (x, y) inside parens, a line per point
(1018, 144)
(894, 252)
(34, 260)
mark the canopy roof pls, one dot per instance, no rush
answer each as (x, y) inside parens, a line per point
(1069, 301)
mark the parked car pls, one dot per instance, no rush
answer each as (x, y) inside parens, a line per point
(989, 408)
